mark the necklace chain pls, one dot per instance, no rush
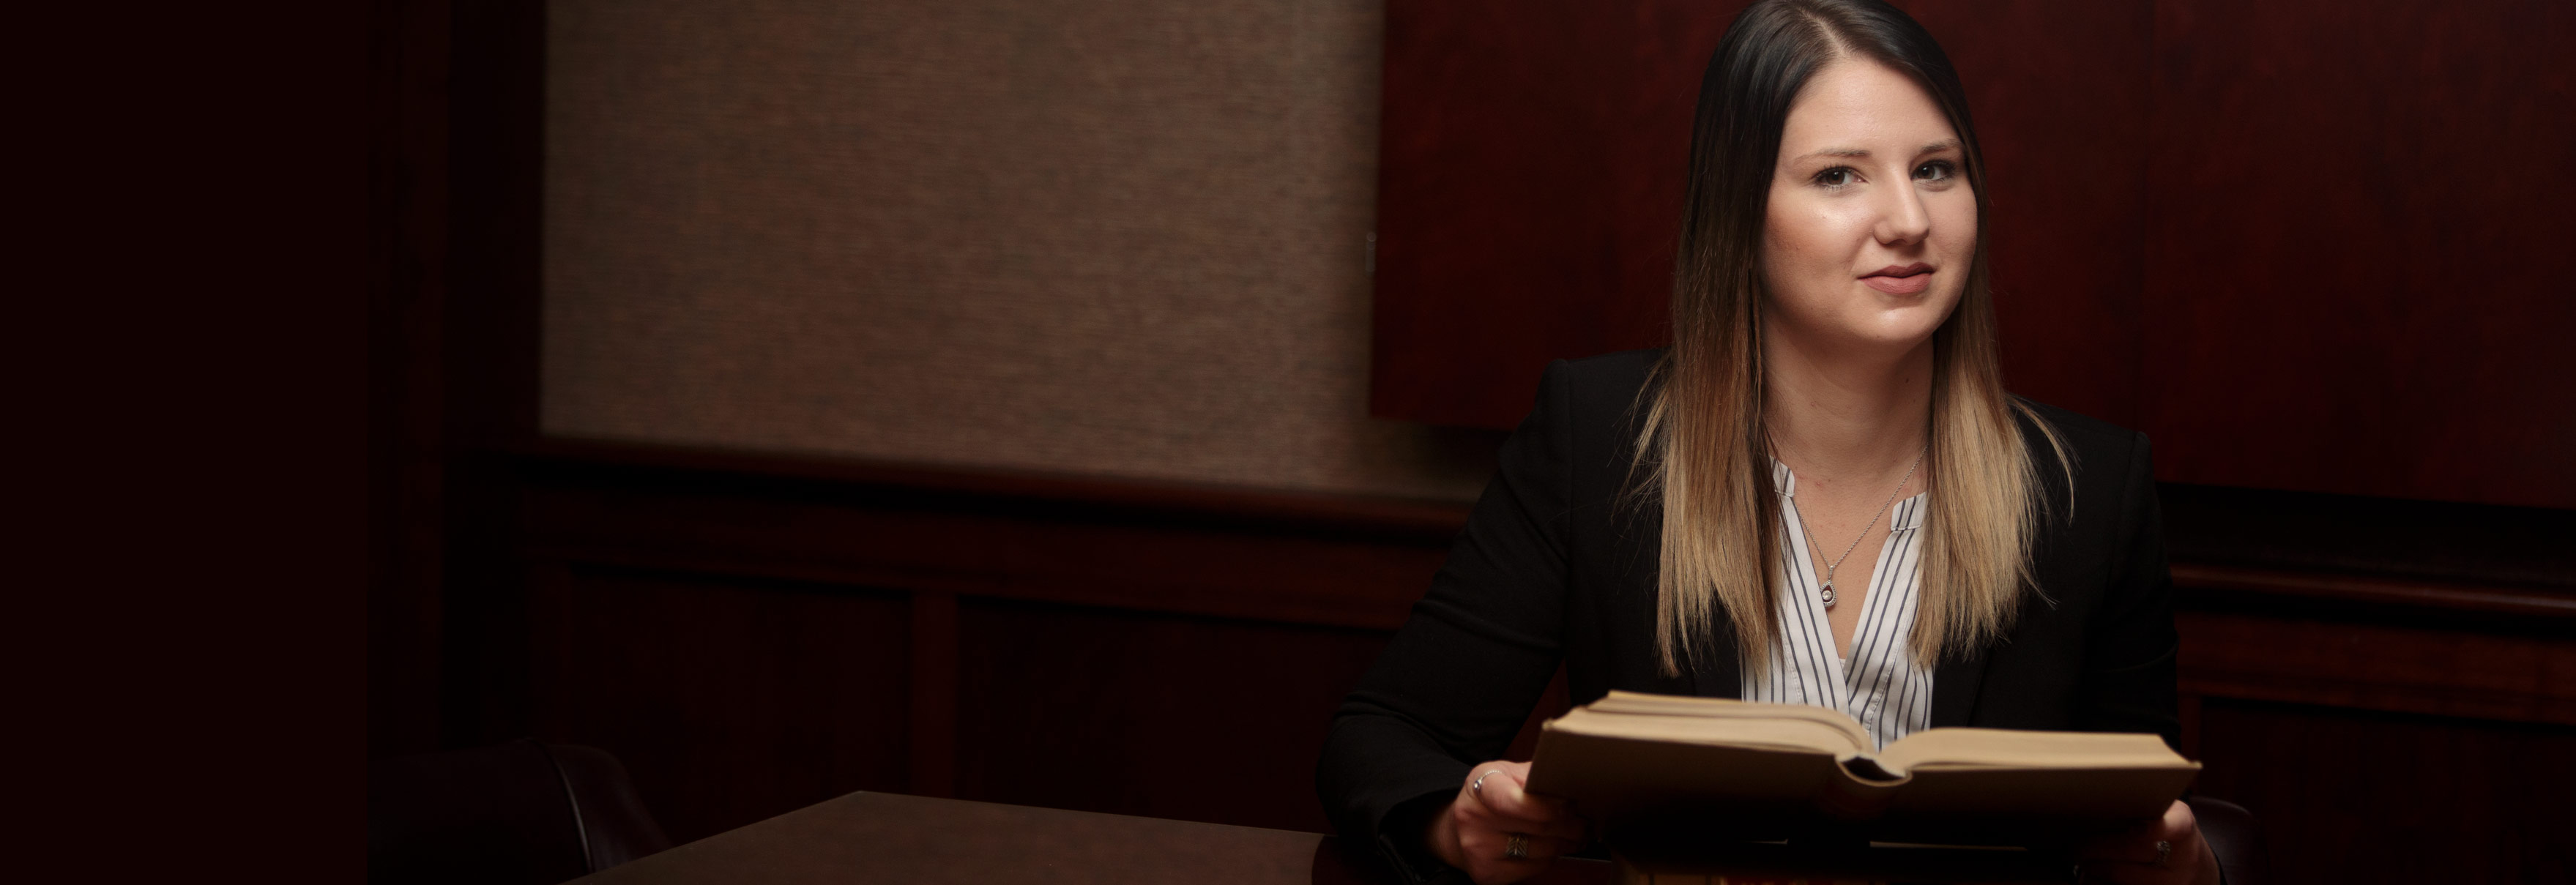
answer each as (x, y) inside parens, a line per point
(1828, 591)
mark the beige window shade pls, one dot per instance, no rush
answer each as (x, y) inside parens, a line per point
(1121, 237)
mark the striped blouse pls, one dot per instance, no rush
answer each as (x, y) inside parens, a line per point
(1879, 684)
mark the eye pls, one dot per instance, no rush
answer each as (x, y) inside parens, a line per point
(1937, 170)
(1836, 177)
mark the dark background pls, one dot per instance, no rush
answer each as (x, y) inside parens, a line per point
(186, 348)
(2308, 249)
(2303, 245)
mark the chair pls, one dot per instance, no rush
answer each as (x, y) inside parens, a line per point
(521, 813)
(2235, 837)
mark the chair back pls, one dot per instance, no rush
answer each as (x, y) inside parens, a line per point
(2235, 837)
(521, 813)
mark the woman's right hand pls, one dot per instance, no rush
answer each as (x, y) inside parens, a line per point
(1476, 832)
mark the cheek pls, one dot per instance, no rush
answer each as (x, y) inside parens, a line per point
(1954, 227)
(1954, 242)
(1807, 245)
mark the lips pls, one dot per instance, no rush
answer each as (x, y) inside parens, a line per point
(1908, 279)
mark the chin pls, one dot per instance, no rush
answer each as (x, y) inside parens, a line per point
(1894, 344)
(1904, 327)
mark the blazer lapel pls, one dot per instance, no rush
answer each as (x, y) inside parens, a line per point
(1716, 674)
(1954, 689)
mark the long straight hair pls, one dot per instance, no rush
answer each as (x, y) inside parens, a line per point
(1704, 450)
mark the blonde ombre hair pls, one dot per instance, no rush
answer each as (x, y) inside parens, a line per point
(1704, 450)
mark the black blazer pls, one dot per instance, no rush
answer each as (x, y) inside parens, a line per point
(1555, 566)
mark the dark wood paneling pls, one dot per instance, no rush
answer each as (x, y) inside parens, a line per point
(407, 191)
(2380, 666)
(2534, 605)
(485, 359)
(1530, 180)
(730, 700)
(994, 490)
(750, 641)
(495, 214)
(2351, 796)
(2054, 90)
(2354, 285)
(1358, 564)
(2381, 537)
(456, 171)
(1127, 647)
(933, 711)
(2293, 242)
(1156, 715)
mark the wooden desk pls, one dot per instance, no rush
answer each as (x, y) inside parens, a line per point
(885, 837)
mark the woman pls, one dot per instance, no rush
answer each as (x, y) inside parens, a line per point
(1820, 494)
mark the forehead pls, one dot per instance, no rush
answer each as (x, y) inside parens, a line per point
(1861, 104)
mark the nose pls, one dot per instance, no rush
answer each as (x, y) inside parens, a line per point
(1902, 218)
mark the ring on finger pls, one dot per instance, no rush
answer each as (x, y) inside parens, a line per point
(1478, 787)
(2163, 850)
(1516, 846)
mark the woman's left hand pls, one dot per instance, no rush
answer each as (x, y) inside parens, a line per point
(2131, 857)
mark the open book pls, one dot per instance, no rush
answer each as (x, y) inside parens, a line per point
(1767, 771)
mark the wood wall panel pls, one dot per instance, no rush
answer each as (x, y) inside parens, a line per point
(2307, 246)
(408, 188)
(751, 641)
(1529, 180)
(881, 535)
(1156, 715)
(2054, 89)
(730, 699)
(2356, 272)
(1112, 646)
(1531, 171)
(2356, 796)
(2508, 676)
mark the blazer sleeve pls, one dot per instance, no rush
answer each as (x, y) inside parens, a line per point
(2129, 662)
(1461, 676)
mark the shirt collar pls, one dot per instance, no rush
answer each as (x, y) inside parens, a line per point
(1908, 513)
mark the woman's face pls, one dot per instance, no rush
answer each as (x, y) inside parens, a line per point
(1871, 222)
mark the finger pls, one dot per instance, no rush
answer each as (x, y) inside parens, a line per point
(1520, 772)
(1504, 794)
(1570, 829)
(2156, 842)
(2180, 824)
(1490, 812)
(1502, 803)
(1476, 814)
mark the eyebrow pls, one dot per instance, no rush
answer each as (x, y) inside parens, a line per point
(1933, 148)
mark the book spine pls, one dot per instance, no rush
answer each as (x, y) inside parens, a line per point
(1852, 799)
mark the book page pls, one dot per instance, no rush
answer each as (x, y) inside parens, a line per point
(1791, 735)
(1720, 721)
(1953, 748)
(1729, 708)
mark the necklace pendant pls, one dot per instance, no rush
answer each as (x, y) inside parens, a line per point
(1827, 595)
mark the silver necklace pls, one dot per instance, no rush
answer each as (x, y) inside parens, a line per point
(1827, 594)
